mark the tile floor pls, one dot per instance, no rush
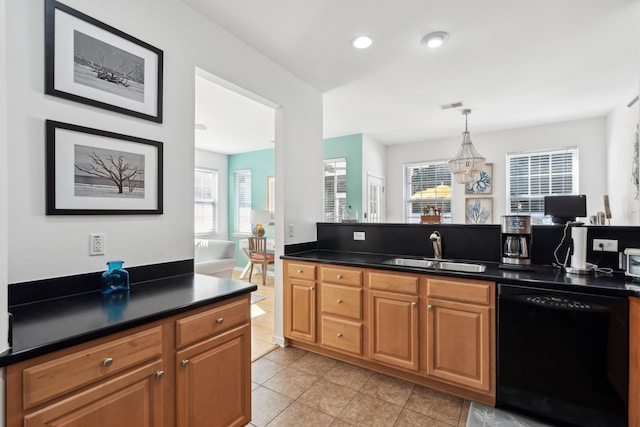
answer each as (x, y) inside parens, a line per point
(293, 387)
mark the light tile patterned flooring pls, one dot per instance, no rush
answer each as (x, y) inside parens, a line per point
(293, 387)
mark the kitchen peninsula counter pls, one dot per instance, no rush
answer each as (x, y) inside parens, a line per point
(44, 326)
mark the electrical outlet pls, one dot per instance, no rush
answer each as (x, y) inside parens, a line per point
(96, 243)
(605, 245)
(358, 235)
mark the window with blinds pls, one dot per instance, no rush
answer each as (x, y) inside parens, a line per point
(205, 201)
(242, 200)
(531, 176)
(427, 184)
(335, 189)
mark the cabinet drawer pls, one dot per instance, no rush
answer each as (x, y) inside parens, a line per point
(457, 290)
(394, 283)
(342, 300)
(58, 376)
(342, 335)
(210, 322)
(341, 276)
(301, 271)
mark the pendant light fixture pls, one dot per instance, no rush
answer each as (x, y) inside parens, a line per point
(468, 163)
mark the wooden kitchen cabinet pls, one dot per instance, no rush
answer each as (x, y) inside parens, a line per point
(393, 307)
(137, 378)
(457, 329)
(300, 301)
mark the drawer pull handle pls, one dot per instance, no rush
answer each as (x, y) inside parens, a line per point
(339, 335)
(107, 362)
(184, 362)
(339, 301)
(159, 374)
(311, 288)
(300, 271)
(339, 276)
(219, 320)
(429, 307)
(413, 304)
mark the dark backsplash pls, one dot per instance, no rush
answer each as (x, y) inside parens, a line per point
(468, 241)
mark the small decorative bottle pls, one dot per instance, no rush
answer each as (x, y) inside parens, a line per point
(115, 279)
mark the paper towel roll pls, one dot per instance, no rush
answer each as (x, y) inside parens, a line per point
(579, 237)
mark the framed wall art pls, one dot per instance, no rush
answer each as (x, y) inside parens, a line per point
(479, 210)
(484, 184)
(93, 63)
(94, 172)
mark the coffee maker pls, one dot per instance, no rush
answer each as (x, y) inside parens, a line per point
(516, 242)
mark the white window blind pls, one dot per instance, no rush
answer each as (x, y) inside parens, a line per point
(427, 184)
(242, 198)
(205, 201)
(335, 189)
(531, 176)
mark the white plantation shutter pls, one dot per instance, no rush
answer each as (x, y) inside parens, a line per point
(205, 201)
(335, 189)
(531, 176)
(242, 199)
(418, 179)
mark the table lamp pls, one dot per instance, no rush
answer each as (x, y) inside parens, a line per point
(259, 217)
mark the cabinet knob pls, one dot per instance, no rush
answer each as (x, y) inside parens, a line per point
(339, 276)
(159, 374)
(299, 271)
(219, 320)
(184, 362)
(311, 288)
(339, 301)
(413, 304)
(339, 335)
(107, 362)
(429, 307)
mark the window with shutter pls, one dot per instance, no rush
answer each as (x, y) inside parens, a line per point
(242, 200)
(427, 184)
(205, 201)
(531, 176)
(335, 189)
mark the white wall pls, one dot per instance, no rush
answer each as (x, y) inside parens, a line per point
(41, 246)
(588, 135)
(219, 162)
(373, 163)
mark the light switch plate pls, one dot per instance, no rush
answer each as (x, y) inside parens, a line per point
(358, 235)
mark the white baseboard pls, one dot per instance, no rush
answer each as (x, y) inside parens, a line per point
(281, 341)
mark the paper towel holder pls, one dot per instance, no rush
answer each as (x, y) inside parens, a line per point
(579, 237)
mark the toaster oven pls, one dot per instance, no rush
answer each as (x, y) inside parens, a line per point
(632, 263)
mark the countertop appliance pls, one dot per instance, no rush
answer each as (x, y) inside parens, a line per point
(516, 242)
(563, 355)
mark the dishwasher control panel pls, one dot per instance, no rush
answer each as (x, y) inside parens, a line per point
(560, 302)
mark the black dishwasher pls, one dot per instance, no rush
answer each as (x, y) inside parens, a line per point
(563, 355)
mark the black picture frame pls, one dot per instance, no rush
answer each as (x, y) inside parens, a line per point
(90, 62)
(80, 161)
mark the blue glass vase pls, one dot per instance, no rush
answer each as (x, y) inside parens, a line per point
(115, 279)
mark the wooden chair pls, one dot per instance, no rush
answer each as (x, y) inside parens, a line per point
(258, 255)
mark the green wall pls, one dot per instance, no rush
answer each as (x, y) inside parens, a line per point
(262, 164)
(349, 147)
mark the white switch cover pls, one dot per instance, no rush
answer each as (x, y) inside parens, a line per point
(358, 235)
(290, 230)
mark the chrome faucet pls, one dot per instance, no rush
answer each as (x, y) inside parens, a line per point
(436, 239)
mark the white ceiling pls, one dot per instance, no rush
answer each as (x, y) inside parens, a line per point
(513, 62)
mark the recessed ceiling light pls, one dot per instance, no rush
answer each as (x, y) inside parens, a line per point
(436, 39)
(362, 42)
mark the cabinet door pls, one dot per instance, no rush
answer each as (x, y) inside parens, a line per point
(458, 343)
(301, 310)
(634, 362)
(394, 329)
(130, 399)
(214, 381)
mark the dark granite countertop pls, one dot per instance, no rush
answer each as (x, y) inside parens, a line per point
(45, 326)
(542, 277)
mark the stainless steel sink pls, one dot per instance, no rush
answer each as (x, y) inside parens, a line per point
(408, 262)
(433, 264)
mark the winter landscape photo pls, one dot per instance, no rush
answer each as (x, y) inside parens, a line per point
(108, 173)
(102, 66)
